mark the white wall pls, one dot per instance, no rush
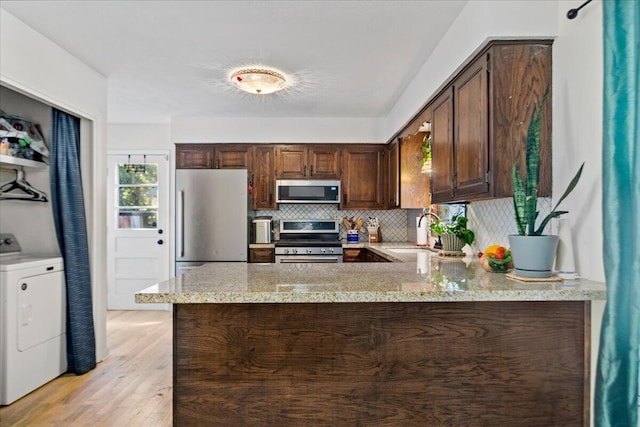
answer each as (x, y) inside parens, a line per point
(577, 129)
(277, 130)
(125, 137)
(33, 65)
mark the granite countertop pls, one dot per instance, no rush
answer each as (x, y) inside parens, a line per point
(416, 275)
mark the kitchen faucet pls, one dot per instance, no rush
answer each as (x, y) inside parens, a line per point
(438, 244)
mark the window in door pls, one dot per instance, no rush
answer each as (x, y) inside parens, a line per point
(137, 205)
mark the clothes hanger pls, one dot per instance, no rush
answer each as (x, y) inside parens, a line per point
(20, 183)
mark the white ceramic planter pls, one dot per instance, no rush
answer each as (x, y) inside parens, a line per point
(533, 256)
(451, 243)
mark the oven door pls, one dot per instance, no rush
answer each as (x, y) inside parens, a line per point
(308, 259)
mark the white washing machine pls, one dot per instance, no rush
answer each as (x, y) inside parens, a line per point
(33, 347)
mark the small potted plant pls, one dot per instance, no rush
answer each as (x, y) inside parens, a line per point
(426, 153)
(533, 253)
(454, 233)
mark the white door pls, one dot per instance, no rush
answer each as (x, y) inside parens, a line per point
(138, 246)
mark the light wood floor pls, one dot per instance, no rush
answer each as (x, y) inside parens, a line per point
(131, 387)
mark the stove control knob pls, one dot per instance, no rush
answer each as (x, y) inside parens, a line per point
(323, 250)
(309, 251)
(331, 250)
(286, 251)
(295, 251)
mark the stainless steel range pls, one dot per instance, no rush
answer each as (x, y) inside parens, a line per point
(309, 241)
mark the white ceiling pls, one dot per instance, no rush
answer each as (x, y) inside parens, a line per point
(168, 59)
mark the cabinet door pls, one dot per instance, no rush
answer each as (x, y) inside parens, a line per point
(233, 156)
(471, 136)
(442, 148)
(363, 177)
(194, 156)
(393, 176)
(414, 185)
(351, 255)
(519, 75)
(291, 162)
(262, 255)
(264, 184)
(323, 162)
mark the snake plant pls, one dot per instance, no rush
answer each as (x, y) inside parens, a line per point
(525, 192)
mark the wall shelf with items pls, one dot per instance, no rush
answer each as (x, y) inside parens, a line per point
(11, 162)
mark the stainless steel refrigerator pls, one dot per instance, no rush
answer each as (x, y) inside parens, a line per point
(211, 217)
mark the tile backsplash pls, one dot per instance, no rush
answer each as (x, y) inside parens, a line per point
(493, 220)
(393, 223)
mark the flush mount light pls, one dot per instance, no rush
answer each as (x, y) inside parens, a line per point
(260, 81)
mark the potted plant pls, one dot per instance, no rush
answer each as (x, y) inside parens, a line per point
(533, 253)
(454, 233)
(426, 153)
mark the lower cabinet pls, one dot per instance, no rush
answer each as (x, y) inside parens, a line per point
(361, 255)
(262, 255)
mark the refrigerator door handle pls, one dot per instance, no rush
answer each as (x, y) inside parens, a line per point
(180, 224)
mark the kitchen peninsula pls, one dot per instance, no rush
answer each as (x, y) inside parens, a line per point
(420, 341)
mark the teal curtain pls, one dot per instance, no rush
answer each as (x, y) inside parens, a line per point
(616, 398)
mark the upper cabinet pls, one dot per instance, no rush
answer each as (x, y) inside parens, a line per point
(195, 156)
(308, 162)
(233, 156)
(442, 176)
(264, 184)
(213, 156)
(393, 175)
(480, 122)
(364, 171)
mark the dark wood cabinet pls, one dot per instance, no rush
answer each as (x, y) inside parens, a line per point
(213, 156)
(363, 177)
(310, 162)
(263, 174)
(352, 255)
(471, 138)
(480, 122)
(324, 161)
(233, 156)
(194, 156)
(361, 255)
(442, 174)
(257, 255)
(393, 175)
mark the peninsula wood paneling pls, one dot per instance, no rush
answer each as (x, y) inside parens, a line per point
(381, 364)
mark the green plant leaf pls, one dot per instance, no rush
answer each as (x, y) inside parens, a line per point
(545, 221)
(519, 201)
(571, 186)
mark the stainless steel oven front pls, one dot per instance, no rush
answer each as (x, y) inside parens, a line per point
(308, 255)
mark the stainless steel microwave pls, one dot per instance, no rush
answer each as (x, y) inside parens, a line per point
(307, 191)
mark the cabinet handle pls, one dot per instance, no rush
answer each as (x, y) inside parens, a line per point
(344, 198)
(311, 170)
(270, 198)
(304, 170)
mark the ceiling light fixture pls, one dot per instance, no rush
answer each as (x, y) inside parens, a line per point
(259, 81)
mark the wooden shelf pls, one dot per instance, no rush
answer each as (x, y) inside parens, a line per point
(15, 162)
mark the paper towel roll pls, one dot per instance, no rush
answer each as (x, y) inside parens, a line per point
(564, 257)
(421, 233)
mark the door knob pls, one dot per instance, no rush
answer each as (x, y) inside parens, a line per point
(160, 241)
(160, 231)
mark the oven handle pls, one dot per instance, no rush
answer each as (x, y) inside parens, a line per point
(321, 260)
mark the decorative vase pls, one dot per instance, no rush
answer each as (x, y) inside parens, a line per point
(533, 256)
(451, 243)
